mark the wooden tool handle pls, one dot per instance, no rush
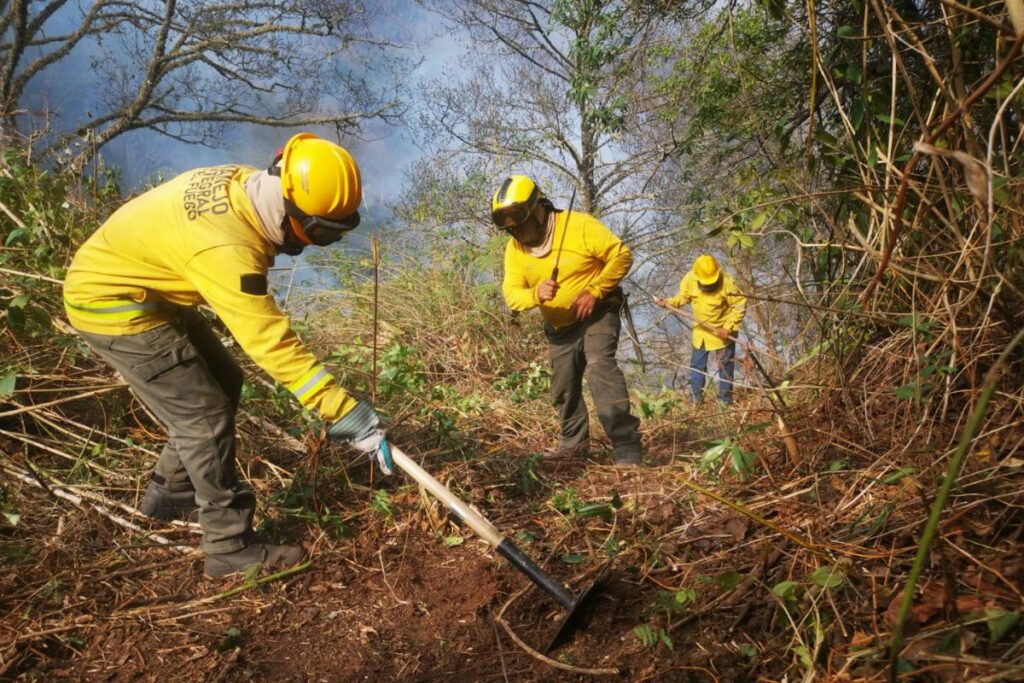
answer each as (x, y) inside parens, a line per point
(476, 522)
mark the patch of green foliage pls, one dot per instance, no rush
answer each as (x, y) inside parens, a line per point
(7, 509)
(381, 504)
(526, 385)
(652, 636)
(657, 404)
(47, 215)
(232, 639)
(567, 502)
(296, 501)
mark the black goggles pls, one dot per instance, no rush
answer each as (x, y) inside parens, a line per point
(511, 217)
(712, 287)
(318, 230)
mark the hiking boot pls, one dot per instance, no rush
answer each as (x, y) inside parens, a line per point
(267, 556)
(166, 505)
(628, 459)
(569, 453)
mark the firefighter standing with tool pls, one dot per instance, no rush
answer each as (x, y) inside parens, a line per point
(569, 265)
(718, 308)
(209, 236)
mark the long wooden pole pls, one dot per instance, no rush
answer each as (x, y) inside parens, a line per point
(375, 247)
(565, 229)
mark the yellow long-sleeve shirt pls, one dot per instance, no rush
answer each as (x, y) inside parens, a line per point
(195, 238)
(593, 259)
(722, 308)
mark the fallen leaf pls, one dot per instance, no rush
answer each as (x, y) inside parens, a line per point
(975, 172)
(861, 639)
(917, 650)
(893, 610)
(930, 601)
(969, 603)
(923, 612)
(737, 527)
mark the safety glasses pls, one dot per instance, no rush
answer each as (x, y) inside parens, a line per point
(713, 287)
(318, 230)
(512, 217)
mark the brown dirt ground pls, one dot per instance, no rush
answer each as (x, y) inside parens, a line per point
(84, 599)
(389, 602)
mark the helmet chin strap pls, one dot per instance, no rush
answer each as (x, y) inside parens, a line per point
(290, 244)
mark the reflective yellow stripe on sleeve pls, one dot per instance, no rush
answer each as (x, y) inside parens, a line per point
(309, 383)
(116, 309)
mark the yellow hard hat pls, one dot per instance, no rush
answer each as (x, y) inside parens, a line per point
(322, 188)
(706, 270)
(514, 201)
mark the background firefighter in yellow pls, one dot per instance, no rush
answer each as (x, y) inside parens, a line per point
(718, 308)
(580, 307)
(210, 235)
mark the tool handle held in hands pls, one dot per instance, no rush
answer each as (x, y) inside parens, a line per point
(558, 254)
(733, 338)
(699, 323)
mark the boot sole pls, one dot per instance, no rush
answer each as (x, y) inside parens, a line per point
(218, 574)
(190, 515)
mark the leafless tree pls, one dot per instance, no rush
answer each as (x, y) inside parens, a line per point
(187, 68)
(558, 87)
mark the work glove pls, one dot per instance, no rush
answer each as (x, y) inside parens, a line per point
(361, 428)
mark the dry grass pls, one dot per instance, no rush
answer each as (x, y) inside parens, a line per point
(792, 570)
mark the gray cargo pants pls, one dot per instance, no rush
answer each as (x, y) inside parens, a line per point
(588, 348)
(191, 383)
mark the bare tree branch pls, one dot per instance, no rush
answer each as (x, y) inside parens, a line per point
(185, 68)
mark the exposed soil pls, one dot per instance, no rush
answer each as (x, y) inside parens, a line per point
(392, 601)
(397, 590)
